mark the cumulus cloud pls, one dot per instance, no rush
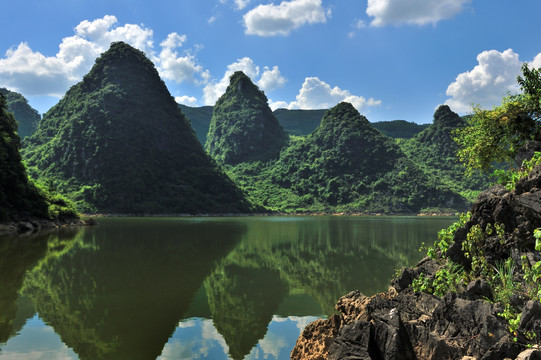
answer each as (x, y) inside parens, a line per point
(317, 94)
(488, 82)
(536, 63)
(174, 67)
(186, 100)
(420, 12)
(271, 20)
(269, 80)
(33, 74)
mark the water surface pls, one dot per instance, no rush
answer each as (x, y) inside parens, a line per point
(192, 288)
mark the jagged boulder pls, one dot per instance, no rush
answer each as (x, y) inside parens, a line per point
(467, 323)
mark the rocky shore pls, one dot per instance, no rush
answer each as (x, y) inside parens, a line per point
(467, 322)
(32, 225)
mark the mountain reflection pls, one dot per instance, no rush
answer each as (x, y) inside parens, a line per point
(122, 296)
(123, 290)
(17, 256)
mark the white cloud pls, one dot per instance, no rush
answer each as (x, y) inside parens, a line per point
(211, 19)
(278, 105)
(269, 80)
(317, 94)
(174, 67)
(186, 100)
(34, 74)
(358, 24)
(241, 4)
(487, 83)
(536, 63)
(271, 20)
(418, 12)
(213, 90)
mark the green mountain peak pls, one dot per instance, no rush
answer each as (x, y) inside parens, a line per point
(117, 142)
(243, 127)
(444, 116)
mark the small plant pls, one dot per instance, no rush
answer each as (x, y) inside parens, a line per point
(447, 279)
(512, 317)
(503, 283)
(509, 178)
(445, 236)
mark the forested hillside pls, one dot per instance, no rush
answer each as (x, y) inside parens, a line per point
(243, 127)
(344, 165)
(118, 143)
(435, 152)
(299, 122)
(27, 117)
(19, 197)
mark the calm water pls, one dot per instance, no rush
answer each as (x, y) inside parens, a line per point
(192, 288)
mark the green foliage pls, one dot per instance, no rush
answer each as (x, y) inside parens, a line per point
(27, 117)
(400, 129)
(495, 136)
(512, 316)
(199, 118)
(299, 122)
(434, 151)
(447, 279)
(243, 127)
(117, 142)
(345, 165)
(504, 284)
(509, 178)
(446, 237)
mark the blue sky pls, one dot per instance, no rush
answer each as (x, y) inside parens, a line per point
(393, 59)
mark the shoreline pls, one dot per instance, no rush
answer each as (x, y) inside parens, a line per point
(338, 214)
(35, 225)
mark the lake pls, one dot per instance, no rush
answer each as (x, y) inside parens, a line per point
(192, 288)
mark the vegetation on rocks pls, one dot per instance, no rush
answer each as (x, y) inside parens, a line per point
(434, 151)
(118, 143)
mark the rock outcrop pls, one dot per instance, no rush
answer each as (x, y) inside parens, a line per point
(464, 324)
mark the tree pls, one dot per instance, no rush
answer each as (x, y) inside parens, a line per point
(496, 135)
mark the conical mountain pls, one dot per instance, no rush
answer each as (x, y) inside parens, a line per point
(117, 142)
(346, 164)
(434, 151)
(27, 117)
(243, 127)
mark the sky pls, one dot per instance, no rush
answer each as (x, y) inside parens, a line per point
(392, 59)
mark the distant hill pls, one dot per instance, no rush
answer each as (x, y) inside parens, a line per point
(117, 142)
(299, 122)
(399, 128)
(243, 127)
(344, 165)
(199, 118)
(434, 151)
(27, 117)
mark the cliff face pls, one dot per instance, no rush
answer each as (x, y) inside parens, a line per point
(467, 321)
